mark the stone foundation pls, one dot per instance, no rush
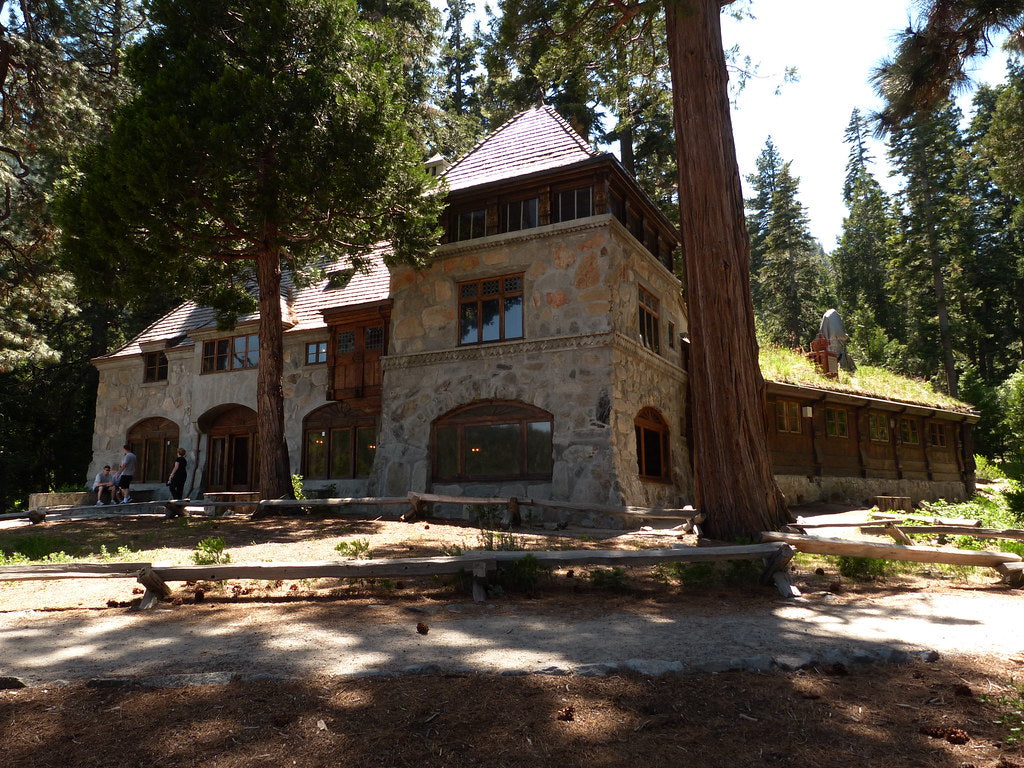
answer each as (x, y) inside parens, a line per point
(800, 489)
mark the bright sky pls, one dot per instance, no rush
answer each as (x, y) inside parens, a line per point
(835, 51)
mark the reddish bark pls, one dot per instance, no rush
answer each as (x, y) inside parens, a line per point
(273, 472)
(734, 481)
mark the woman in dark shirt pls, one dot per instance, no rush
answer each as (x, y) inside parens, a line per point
(176, 482)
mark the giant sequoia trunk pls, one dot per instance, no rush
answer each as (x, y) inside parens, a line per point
(735, 485)
(272, 450)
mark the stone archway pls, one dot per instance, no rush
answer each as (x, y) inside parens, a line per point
(230, 431)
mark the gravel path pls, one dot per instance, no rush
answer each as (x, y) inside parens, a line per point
(219, 641)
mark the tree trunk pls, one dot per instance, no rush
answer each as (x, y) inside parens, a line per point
(734, 483)
(274, 472)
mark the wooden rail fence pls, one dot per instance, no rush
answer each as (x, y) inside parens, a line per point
(478, 563)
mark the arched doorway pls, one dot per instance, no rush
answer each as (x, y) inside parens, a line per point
(231, 448)
(154, 442)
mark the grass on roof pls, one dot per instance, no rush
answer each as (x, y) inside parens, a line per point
(788, 367)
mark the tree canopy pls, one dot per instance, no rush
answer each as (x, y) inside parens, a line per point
(264, 135)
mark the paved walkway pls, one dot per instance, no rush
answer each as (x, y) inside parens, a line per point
(327, 638)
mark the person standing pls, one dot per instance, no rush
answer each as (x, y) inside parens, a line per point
(126, 473)
(176, 482)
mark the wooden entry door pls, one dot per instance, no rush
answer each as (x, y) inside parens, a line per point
(231, 458)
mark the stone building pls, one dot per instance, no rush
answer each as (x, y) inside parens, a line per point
(538, 355)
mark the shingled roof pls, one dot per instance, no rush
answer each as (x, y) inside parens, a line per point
(304, 311)
(538, 139)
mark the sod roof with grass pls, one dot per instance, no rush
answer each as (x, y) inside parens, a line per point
(785, 366)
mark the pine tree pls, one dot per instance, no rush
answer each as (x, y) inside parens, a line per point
(764, 183)
(924, 150)
(861, 255)
(456, 92)
(790, 276)
(265, 135)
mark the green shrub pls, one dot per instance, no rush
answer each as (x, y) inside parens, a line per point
(611, 579)
(297, 487)
(711, 574)
(1011, 706)
(210, 551)
(864, 568)
(521, 575)
(988, 470)
(39, 547)
(498, 541)
(356, 548)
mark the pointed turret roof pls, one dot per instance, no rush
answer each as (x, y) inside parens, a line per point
(538, 139)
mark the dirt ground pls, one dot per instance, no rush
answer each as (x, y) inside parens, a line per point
(942, 713)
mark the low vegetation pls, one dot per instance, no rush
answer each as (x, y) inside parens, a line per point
(789, 367)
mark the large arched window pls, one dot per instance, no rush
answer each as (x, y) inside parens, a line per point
(493, 441)
(652, 445)
(154, 442)
(337, 442)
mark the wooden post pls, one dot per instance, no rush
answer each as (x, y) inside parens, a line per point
(156, 588)
(416, 513)
(899, 536)
(479, 582)
(775, 571)
(515, 518)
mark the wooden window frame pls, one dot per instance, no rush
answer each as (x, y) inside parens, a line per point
(316, 352)
(649, 319)
(909, 433)
(837, 422)
(154, 367)
(649, 422)
(878, 428)
(489, 414)
(477, 300)
(334, 418)
(508, 215)
(936, 435)
(225, 348)
(558, 214)
(787, 417)
(463, 224)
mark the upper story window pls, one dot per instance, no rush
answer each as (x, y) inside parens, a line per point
(468, 225)
(878, 427)
(155, 367)
(936, 435)
(231, 354)
(316, 352)
(522, 214)
(908, 432)
(835, 422)
(572, 204)
(650, 332)
(491, 309)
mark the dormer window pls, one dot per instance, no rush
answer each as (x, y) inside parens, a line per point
(572, 204)
(468, 225)
(522, 214)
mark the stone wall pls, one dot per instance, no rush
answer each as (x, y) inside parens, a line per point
(123, 399)
(580, 360)
(800, 489)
